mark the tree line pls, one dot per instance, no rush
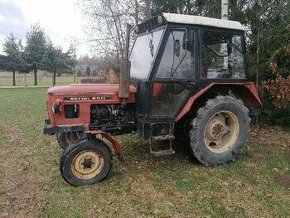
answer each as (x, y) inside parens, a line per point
(39, 53)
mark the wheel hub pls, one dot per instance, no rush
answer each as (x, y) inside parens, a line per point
(87, 164)
(221, 131)
(217, 130)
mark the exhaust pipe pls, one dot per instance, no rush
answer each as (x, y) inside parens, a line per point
(124, 87)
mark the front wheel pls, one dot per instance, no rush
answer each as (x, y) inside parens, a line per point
(219, 130)
(86, 162)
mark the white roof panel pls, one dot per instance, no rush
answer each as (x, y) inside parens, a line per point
(204, 21)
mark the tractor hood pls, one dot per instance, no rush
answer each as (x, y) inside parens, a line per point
(83, 89)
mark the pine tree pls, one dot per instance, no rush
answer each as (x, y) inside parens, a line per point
(35, 49)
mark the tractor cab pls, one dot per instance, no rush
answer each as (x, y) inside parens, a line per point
(175, 56)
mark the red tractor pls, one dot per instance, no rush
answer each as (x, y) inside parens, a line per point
(185, 75)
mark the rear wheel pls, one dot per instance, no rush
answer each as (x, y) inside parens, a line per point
(86, 162)
(66, 139)
(219, 130)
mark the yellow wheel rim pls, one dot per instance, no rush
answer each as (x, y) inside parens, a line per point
(221, 131)
(87, 165)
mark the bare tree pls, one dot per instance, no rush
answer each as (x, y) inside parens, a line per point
(107, 21)
(148, 9)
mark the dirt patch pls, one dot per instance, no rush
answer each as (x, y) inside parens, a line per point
(23, 198)
(284, 180)
(271, 136)
(20, 192)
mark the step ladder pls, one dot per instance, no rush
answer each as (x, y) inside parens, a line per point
(165, 152)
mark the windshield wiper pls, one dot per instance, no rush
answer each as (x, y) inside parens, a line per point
(173, 73)
(216, 52)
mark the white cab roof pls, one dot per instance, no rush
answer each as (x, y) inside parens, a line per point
(204, 21)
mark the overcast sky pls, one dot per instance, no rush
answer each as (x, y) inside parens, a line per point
(61, 19)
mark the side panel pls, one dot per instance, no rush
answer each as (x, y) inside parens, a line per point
(83, 102)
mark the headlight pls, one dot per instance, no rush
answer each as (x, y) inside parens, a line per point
(55, 108)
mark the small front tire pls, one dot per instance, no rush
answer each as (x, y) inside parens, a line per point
(86, 162)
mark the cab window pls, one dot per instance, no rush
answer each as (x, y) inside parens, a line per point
(178, 58)
(222, 56)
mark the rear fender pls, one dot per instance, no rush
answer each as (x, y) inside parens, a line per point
(247, 92)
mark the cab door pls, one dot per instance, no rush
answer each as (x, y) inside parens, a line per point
(176, 74)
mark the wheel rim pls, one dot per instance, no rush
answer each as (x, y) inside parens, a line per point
(87, 165)
(221, 131)
(70, 137)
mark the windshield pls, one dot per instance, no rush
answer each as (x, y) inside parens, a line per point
(143, 53)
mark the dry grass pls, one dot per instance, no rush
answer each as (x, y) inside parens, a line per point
(144, 186)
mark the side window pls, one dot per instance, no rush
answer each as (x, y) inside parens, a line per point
(178, 57)
(143, 53)
(222, 55)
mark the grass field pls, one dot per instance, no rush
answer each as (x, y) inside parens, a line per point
(255, 185)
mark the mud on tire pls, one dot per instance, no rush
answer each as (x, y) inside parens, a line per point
(219, 130)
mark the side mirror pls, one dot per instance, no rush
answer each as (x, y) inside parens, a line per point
(176, 48)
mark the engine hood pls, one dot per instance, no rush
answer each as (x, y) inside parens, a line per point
(81, 89)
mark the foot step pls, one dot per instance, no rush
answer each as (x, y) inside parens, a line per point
(162, 138)
(163, 152)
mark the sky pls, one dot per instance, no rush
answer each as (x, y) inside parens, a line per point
(61, 20)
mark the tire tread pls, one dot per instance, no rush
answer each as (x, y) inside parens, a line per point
(195, 123)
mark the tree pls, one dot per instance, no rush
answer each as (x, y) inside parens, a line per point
(12, 48)
(210, 8)
(88, 71)
(58, 62)
(107, 21)
(3, 62)
(53, 61)
(148, 9)
(35, 50)
(267, 22)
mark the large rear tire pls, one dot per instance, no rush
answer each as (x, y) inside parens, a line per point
(86, 162)
(219, 130)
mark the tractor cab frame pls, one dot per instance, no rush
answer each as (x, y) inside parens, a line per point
(176, 57)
